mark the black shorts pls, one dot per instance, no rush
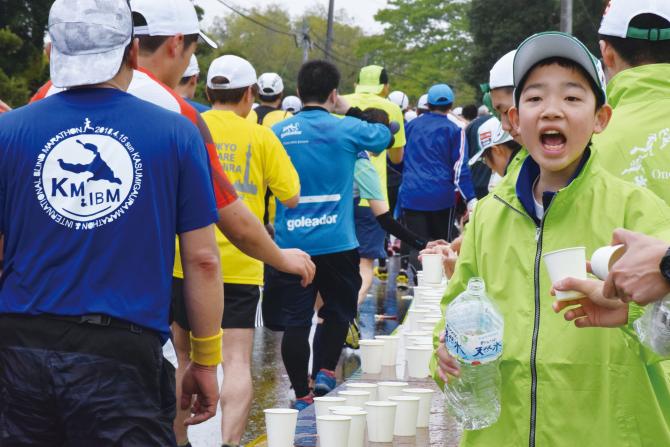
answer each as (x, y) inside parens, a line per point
(76, 384)
(287, 304)
(240, 302)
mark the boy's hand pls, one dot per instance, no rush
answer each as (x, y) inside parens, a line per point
(592, 288)
(588, 314)
(446, 364)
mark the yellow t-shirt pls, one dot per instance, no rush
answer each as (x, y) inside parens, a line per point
(367, 101)
(269, 120)
(254, 159)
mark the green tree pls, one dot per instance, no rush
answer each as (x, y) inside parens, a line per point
(266, 37)
(499, 26)
(22, 63)
(424, 42)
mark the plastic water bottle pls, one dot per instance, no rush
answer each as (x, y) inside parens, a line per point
(653, 328)
(474, 336)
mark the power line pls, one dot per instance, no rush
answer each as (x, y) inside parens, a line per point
(238, 12)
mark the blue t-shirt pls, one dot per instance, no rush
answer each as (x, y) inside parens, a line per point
(435, 164)
(94, 184)
(323, 148)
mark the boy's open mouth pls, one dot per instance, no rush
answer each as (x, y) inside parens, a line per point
(553, 140)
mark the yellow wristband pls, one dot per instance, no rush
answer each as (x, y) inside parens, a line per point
(206, 351)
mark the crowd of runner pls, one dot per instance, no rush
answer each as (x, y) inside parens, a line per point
(294, 204)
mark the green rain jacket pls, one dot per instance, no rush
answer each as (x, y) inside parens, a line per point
(636, 144)
(561, 385)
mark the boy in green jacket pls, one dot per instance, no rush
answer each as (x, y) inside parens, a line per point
(560, 386)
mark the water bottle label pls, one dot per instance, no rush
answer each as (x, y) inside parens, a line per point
(474, 348)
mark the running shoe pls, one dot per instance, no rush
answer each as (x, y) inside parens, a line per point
(381, 273)
(303, 402)
(402, 280)
(325, 382)
(353, 336)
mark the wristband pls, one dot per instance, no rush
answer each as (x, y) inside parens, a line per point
(206, 351)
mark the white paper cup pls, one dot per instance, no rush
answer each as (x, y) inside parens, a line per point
(323, 403)
(388, 389)
(355, 398)
(357, 427)
(380, 420)
(414, 315)
(430, 327)
(418, 360)
(566, 263)
(603, 259)
(390, 348)
(426, 398)
(432, 268)
(280, 426)
(419, 278)
(333, 430)
(363, 386)
(372, 353)
(406, 415)
(420, 340)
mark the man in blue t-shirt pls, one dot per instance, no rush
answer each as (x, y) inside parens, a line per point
(435, 168)
(323, 148)
(90, 202)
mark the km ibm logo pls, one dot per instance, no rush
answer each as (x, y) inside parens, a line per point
(86, 177)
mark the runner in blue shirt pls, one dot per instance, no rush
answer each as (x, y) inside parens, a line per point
(435, 168)
(90, 202)
(323, 149)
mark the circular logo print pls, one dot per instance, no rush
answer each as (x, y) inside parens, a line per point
(87, 180)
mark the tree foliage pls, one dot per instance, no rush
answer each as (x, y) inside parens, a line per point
(271, 51)
(424, 42)
(22, 64)
(499, 26)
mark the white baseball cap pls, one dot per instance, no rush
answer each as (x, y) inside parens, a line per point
(291, 104)
(549, 44)
(423, 102)
(399, 98)
(88, 40)
(168, 18)
(619, 13)
(193, 68)
(270, 84)
(237, 71)
(502, 74)
(410, 115)
(489, 134)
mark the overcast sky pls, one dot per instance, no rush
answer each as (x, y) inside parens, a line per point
(361, 11)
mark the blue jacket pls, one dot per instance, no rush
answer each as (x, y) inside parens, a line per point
(435, 164)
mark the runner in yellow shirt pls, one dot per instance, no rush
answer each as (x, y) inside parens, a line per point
(372, 89)
(254, 160)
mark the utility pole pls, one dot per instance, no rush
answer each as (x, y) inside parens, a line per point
(566, 16)
(304, 42)
(329, 33)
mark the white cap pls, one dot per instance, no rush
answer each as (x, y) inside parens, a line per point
(270, 84)
(489, 134)
(193, 68)
(458, 111)
(239, 73)
(502, 73)
(291, 104)
(548, 44)
(410, 115)
(619, 13)
(483, 110)
(423, 102)
(168, 18)
(399, 98)
(89, 39)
